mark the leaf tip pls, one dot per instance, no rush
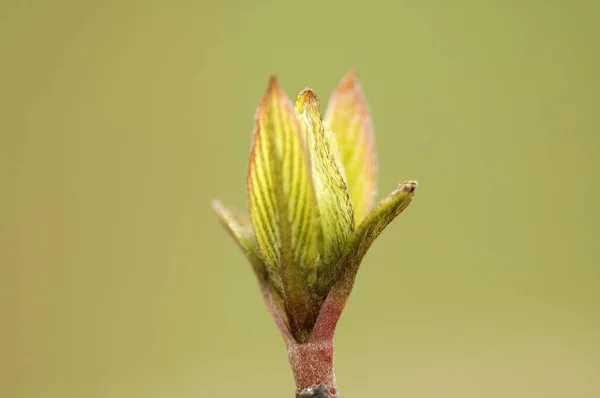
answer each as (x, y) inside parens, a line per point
(349, 82)
(220, 209)
(274, 96)
(216, 205)
(274, 91)
(408, 186)
(307, 99)
(226, 216)
(273, 83)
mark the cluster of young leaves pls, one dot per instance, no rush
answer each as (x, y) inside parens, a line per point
(311, 191)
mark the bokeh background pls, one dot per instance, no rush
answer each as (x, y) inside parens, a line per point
(120, 121)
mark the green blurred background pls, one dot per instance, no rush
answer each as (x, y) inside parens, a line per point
(120, 121)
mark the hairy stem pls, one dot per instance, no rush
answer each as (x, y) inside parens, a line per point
(312, 365)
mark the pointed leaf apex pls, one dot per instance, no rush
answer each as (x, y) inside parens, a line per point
(227, 217)
(350, 81)
(307, 101)
(273, 83)
(409, 186)
(274, 93)
(217, 205)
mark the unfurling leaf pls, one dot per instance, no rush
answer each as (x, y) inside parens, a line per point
(282, 201)
(383, 214)
(240, 229)
(336, 215)
(349, 118)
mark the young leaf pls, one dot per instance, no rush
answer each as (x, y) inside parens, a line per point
(383, 214)
(240, 229)
(333, 200)
(349, 118)
(282, 201)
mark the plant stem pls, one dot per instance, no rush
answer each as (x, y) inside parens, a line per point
(312, 365)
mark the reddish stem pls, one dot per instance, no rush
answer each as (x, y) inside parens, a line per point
(328, 317)
(312, 365)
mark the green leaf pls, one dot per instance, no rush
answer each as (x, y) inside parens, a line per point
(364, 236)
(349, 118)
(282, 200)
(336, 214)
(240, 230)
